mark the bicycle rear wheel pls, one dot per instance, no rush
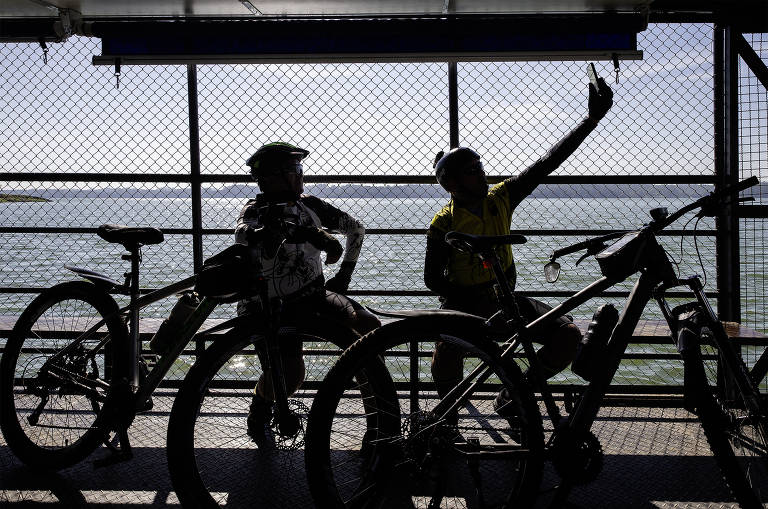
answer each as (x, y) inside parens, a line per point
(735, 422)
(55, 378)
(212, 460)
(416, 458)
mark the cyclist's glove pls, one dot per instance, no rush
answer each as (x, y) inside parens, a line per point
(600, 99)
(340, 282)
(319, 238)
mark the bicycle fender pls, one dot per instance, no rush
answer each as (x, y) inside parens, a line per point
(411, 313)
(253, 323)
(474, 329)
(491, 329)
(100, 280)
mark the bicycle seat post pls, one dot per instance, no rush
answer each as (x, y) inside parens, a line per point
(132, 282)
(504, 292)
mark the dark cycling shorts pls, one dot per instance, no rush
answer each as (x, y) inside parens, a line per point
(530, 309)
(329, 305)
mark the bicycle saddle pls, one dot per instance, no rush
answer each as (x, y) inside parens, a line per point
(480, 243)
(130, 235)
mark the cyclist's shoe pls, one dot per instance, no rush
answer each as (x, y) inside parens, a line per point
(503, 405)
(147, 405)
(259, 415)
(452, 428)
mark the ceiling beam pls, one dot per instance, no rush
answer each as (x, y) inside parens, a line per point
(434, 38)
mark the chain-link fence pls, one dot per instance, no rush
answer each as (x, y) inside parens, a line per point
(122, 155)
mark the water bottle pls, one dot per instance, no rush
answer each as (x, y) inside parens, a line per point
(185, 305)
(589, 353)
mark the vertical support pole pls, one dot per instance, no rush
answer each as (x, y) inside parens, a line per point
(194, 158)
(414, 373)
(453, 104)
(727, 172)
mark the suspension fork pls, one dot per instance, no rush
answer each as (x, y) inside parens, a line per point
(287, 424)
(736, 373)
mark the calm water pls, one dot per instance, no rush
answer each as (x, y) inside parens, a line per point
(388, 262)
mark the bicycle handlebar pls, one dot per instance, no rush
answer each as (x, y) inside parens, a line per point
(585, 244)
(280, 229)
(709, 201)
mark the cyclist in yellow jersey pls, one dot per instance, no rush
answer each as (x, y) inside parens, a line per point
(459, 278)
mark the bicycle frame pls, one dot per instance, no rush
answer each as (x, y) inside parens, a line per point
(654, 267)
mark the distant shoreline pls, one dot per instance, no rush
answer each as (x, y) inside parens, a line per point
(397, 191)
(8, 198)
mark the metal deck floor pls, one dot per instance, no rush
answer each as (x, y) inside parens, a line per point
(654, 457)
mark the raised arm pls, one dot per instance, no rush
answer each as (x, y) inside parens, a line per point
(600, 101)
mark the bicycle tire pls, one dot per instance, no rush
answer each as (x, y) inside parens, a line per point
(736, 428)
(211, 459)
(346, 468)
(71, 424)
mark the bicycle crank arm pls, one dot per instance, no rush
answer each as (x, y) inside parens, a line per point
(85, 390)
(34, 417)
(495, 453)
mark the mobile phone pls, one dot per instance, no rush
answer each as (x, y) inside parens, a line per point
(592, 73)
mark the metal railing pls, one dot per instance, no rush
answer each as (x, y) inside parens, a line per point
(172, 140)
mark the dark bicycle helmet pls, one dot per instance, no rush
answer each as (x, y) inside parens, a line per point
(459, 158)
(274, 158)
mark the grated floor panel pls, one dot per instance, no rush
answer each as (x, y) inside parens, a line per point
(654, 458)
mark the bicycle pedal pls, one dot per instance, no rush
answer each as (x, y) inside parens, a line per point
(148, 405)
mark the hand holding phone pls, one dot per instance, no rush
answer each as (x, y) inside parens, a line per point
(592, 73)
(600, 94)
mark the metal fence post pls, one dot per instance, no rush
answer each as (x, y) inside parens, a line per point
(453, 104)
(194, 160)
(726, 120)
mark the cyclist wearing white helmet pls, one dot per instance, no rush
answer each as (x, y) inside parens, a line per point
(296, 269)
(459, 278)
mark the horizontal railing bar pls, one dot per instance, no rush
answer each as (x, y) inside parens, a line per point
(373, 231)
(752, 211)
(50, 230)
(400, 293)
(626, 390)
(342, 179)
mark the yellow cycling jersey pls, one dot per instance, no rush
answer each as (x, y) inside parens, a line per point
(463, 268)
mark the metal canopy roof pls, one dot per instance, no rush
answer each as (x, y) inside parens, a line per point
(178, 31)
(292, 8)
(237, 8)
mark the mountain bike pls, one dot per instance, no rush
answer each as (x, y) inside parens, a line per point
(73, 375)
(422, 455)
(212, 460)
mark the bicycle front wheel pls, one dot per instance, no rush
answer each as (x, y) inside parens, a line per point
(212, 460)
(418, 457)
(56, 372)
(734, 417)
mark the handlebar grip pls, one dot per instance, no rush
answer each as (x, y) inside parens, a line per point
(730, 190)
(741, 186)
(710, 204)
(255, 235)
(569, 249)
